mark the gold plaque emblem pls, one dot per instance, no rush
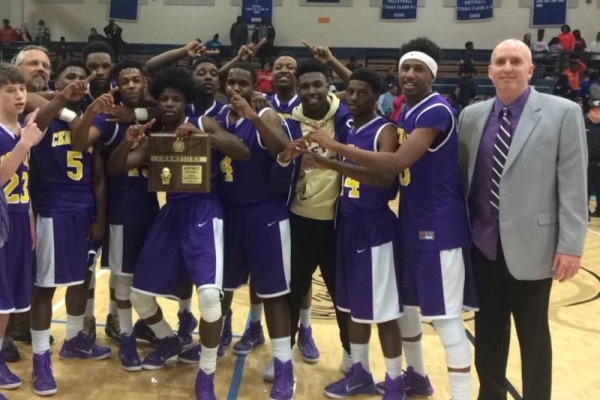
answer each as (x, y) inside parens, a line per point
(165, 175)
(178, 146)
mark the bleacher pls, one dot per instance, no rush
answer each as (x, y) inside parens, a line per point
(379, 59)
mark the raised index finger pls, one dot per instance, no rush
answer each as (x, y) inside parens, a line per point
(33, 116)
(260, 44)
(306, 44)
(90, 77)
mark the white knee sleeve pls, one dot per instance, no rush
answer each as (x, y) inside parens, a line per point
(453, 337)
(209, 300)
(123, 286)
(146, 306)
(410, 323)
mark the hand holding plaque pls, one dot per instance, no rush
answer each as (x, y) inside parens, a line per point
(180, 162)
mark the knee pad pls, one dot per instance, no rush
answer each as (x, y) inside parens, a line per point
(453, 337)
(122, 287)
(410, 323)
(209, 300)
(451, 331)
(146, 306)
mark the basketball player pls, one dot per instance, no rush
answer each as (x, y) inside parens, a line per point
(131, 209)
(64, 204)
(186, 240)
(367, 283)
(256, 221)
(435, 272)
(15, 255)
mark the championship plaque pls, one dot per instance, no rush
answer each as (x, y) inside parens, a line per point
(179, 165)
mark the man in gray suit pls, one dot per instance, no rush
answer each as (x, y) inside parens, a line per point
(523, 164)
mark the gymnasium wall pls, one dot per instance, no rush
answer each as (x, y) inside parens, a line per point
(356, 26)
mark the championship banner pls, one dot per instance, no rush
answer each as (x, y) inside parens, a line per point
(474, 10)
(124, 9)
(549, 13)
(253, 11)
(399, 9)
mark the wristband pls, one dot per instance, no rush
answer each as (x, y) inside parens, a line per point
(141, 113)
(280, 162)
(67, 115)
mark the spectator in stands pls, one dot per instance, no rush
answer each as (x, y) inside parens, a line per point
(238, 34)
(42, 35)
(589, 79)
(466, 62)
(114, 36)
(264, 79)
(566, 38)
(8, 34)
(62, 49)
(595, 50)
(467, 88)
(594, 91)
(353, 64)
(94, 35)
(575, 74)
(385, 103)
(390, 78)
(540, 45)
(592, 127)
(554, 45)
(580, 44)
(562, 88)
(24, 35)
(527, 39)
(214, 44)
(264, 30)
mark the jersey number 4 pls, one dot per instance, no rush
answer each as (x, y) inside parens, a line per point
(353, 185)
(227, 169)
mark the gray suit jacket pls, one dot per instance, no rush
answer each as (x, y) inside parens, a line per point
(543, 190)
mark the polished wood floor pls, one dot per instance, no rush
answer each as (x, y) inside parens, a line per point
(575, 324)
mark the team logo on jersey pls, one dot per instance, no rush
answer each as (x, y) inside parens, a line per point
(426, 235)
(178, 146)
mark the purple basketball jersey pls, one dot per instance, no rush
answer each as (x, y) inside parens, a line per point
(128, 200)
(358, 198)
(63, 177)
(17, 187)
(432, 208)
(284, 109)
(212, 111)
(245, 182)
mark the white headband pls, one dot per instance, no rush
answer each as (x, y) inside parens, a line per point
(420, 56)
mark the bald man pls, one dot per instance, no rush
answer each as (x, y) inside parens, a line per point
(523, 164)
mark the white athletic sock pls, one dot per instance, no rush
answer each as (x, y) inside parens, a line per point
(256, 311)
(460, 385)
(112, 284)
(161, 329)
(394, 366)
(40, 341)
(185, 304)
(74, 325)
(1, 342)
(413, 351)
(360, 354)
(305, 317)
(282, 349)
(208, 360)
(125, 320)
